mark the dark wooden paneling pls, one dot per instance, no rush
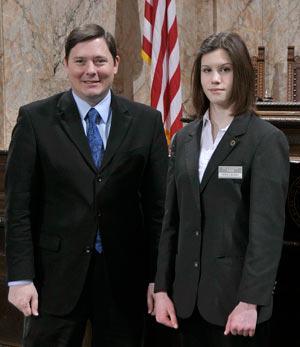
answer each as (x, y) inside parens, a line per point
(285, 320)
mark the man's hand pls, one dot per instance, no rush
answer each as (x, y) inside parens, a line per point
(25, 298)
(242, 320)
(150, 299)
(164, 310)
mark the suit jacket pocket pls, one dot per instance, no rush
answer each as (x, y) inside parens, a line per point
(231, 260)
(131, 152)
(50, 242)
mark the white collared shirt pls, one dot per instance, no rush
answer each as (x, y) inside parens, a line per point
(103, 108)
(207, 144)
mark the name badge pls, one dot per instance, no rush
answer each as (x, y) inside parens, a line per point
(230, 172)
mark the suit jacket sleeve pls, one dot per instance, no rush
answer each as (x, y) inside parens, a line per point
(153, 192)
(19, 187)
(268, 191)
(168, 241)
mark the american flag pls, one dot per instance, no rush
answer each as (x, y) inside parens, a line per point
(160, 48)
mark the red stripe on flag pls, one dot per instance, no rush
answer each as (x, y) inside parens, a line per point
(147, 46)
(172, 37)
(166, 102)
(175, 83)
(176, 125)
(149, 12)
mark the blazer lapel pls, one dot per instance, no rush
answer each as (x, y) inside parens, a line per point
(192, 151)
(121, 120)
(71, 123)
(228, 143)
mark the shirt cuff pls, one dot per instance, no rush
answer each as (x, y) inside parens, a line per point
(19, 283)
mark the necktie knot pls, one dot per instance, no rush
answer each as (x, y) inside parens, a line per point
(93, 116)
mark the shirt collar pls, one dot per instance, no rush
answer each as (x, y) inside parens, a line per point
(103, 107)
(206, 121)
(206, 118)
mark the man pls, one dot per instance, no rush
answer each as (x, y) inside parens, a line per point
(85, 186)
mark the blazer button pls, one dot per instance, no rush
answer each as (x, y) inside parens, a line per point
(197, 233)
(88, 250)
(196, 264)
(99, 179)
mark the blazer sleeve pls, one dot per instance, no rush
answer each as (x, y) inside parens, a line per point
(153, 191)
(268, 191)
(169, 237)
(19, 186)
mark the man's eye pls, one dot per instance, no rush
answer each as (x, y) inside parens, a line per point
(99, 61)
(79, 61)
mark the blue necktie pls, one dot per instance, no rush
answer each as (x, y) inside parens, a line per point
(97, 149)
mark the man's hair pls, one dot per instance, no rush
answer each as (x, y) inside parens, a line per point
(89, 32)
(243, 90)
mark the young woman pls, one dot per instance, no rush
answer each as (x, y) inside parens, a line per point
(225, 207)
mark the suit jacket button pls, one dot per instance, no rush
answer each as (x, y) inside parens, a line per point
(88, 250)
(197, 233)
(99, 179)
(196, 264)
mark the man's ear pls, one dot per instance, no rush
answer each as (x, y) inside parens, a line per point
(116, 63)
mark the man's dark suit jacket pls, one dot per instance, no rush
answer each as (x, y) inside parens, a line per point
(222, 239)
(56, 200)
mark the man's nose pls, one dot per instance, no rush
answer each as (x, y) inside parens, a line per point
(90, 68)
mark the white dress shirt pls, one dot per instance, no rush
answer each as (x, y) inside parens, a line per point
(207, 144)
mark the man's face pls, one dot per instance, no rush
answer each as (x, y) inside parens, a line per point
(91, 70)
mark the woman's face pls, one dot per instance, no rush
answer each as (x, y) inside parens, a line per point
(217, 77)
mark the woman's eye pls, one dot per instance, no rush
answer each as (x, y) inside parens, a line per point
(225, 69)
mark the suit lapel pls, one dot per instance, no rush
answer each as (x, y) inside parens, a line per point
(121, 120)
(71, 123)
(229, 142)
(192, 150)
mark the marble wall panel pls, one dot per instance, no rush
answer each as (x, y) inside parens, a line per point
(243, 17)
(32, 35)
(190, 14)
(128, 33)
(66, 15)
(281, 28)
(273, 24)
(34, 32)
(1, 81)
(26, 28)
(141, 82)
